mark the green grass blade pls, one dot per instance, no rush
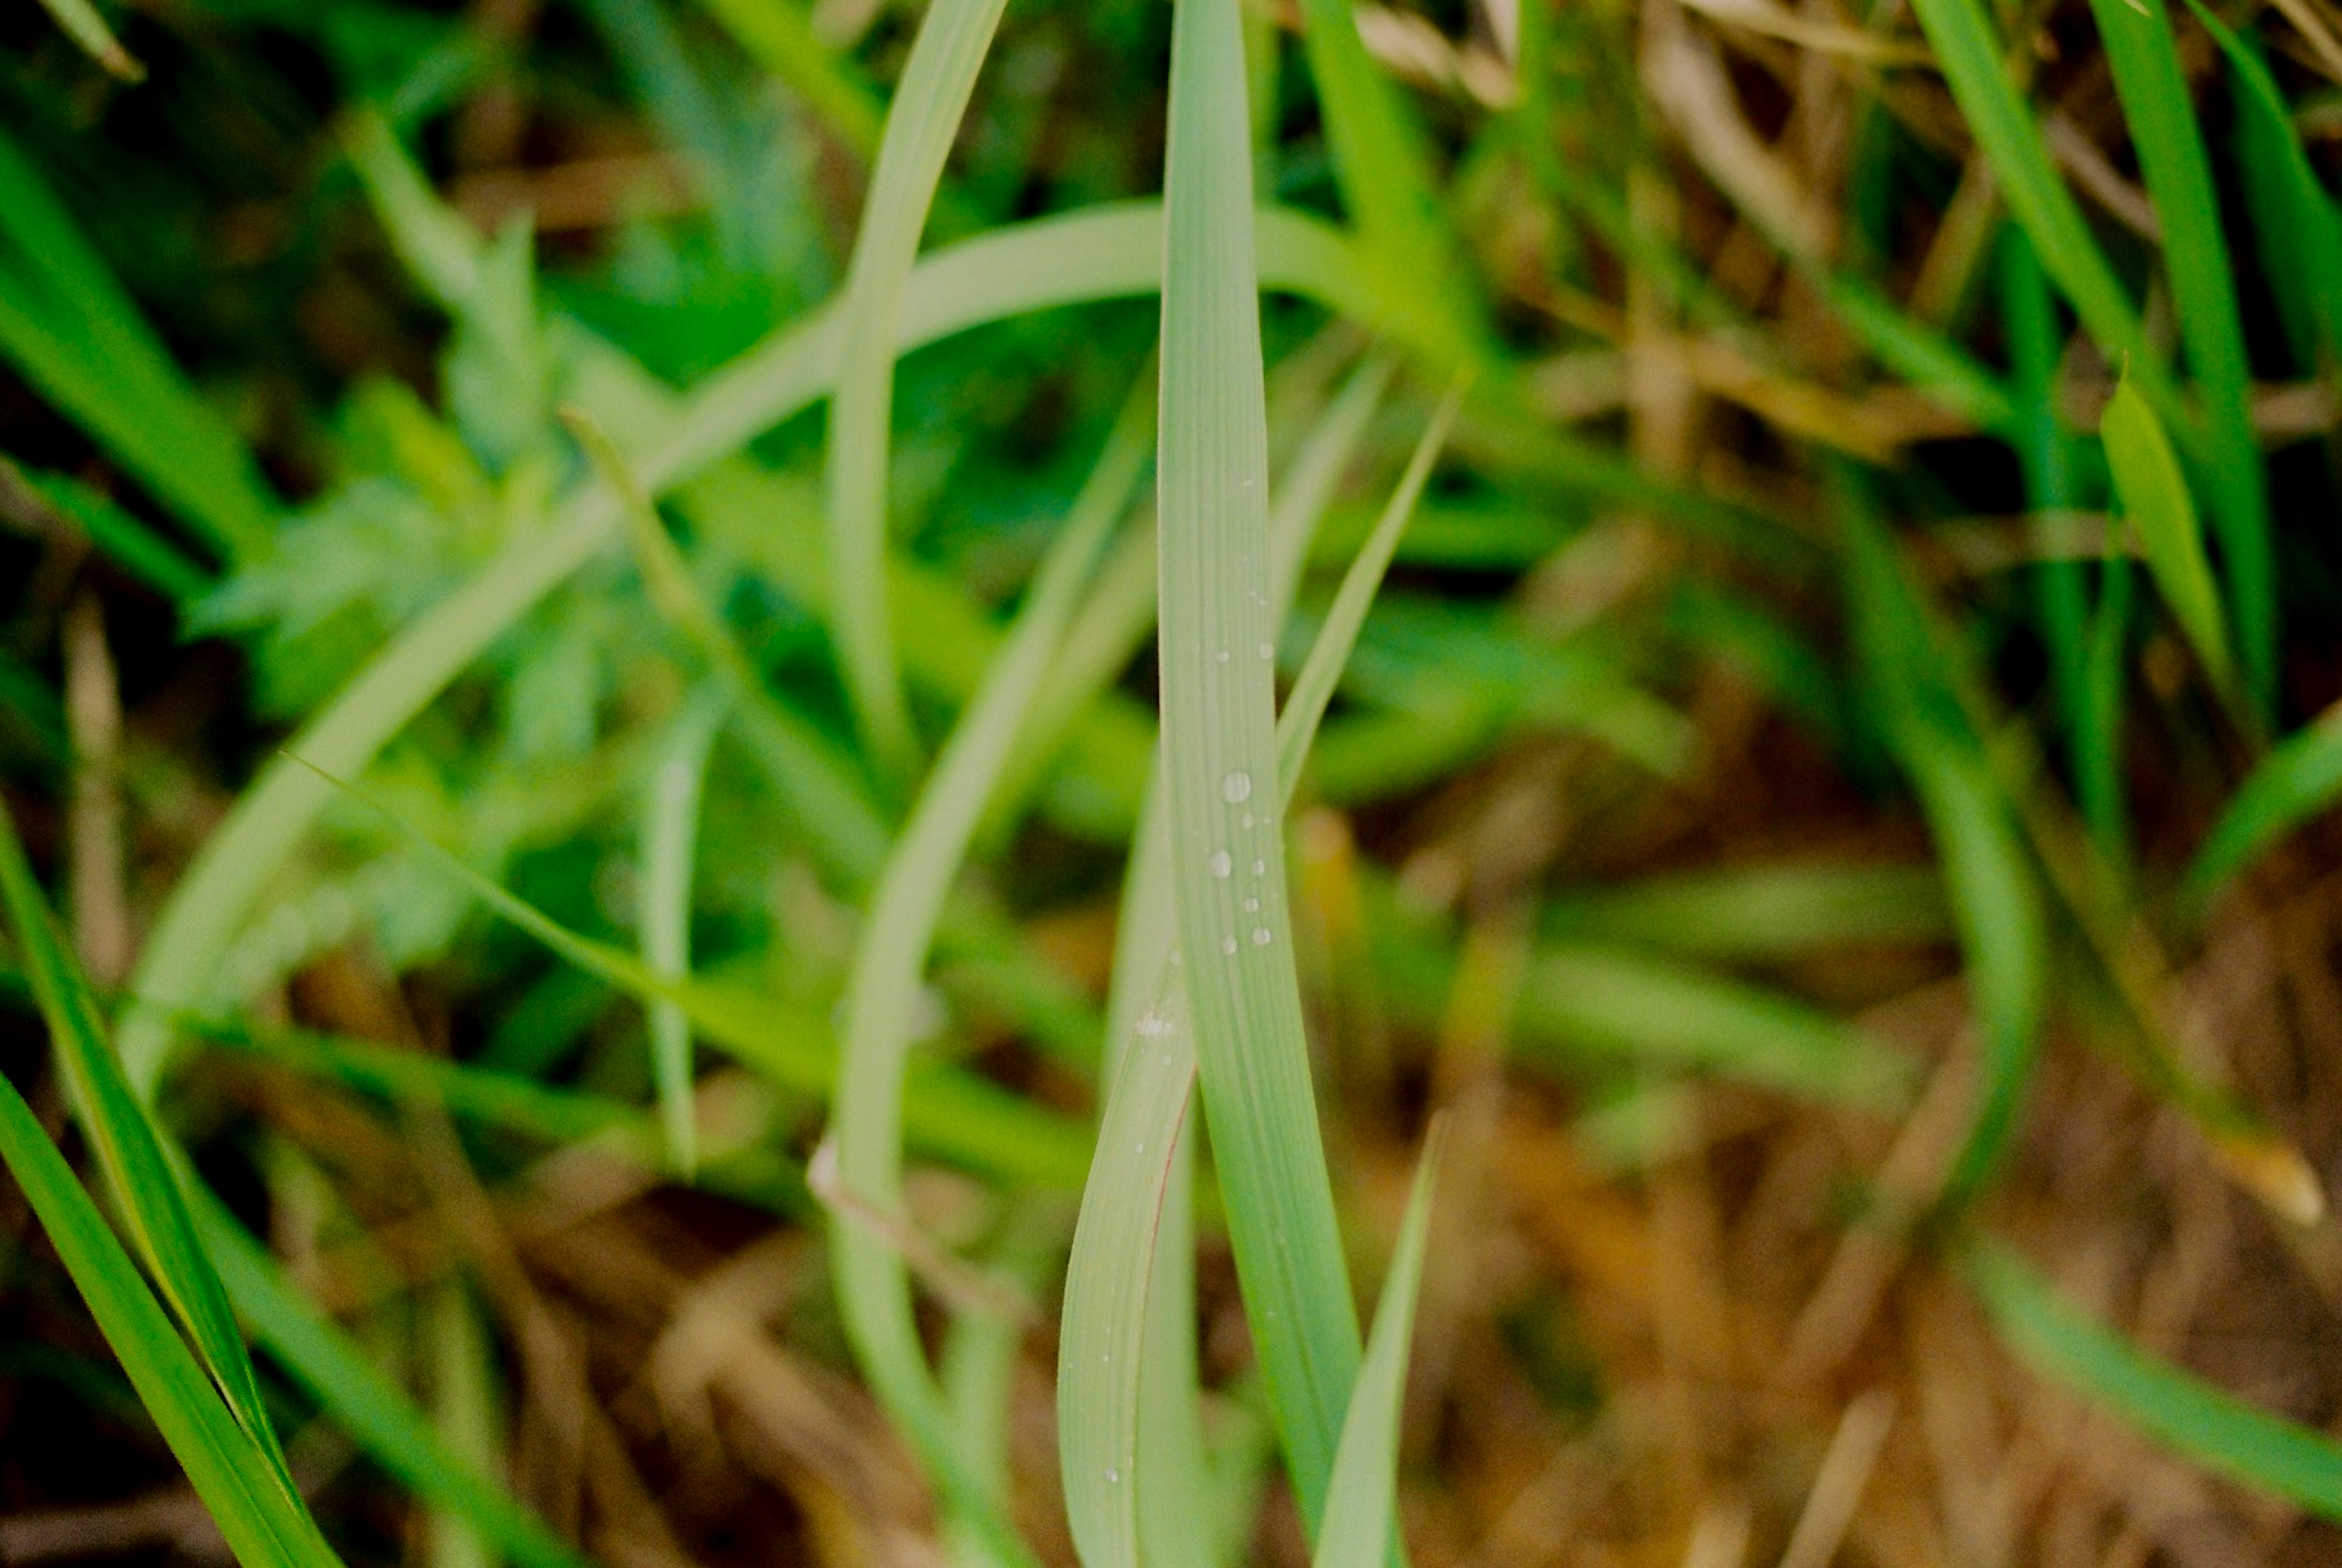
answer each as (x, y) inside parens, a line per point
(2299, 779)
(67, 324)
(1103, 254)
(670, 834)
(1130, 1456)
(1361, 1502)
(264, 1525)
(321, 1357)
(1313, 688)
(947, 1113)
(140, 1177)
(1987, 873)
(2169, 1406)
(1219, 750)
(1759, 912)
(2170, 145)
(946, 55)
(2304, 245)
(2153, 495)
(1628, 1006)
(1383, 165)
(1970, 52)
(890, 958)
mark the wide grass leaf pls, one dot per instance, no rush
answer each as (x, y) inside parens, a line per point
(2299, 779)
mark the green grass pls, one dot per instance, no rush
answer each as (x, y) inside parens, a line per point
(811, 710)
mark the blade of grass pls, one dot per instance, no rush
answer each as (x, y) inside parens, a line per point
(2305, 245)
(937, 79)
(2155, 498)
(67, 503)
(670, 835)
(2299, 779)
(948, 1112)
(2169, 1406)
(2169, 142)
(779, 35)
(140, 1178)
(1125, 1388)
(322, 1357)
(1995, 900)
(1971, 55)
(1361, 1517)
(263, 1524)
(67, 324)
(876, 1033)
(1758, 912)
(1219, 743)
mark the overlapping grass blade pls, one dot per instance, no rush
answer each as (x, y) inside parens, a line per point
(946, 55)
(321, 1357)
(67, 326)
(1125, 1368)
(264, 1525)
(1995, 899)
(2304, 245)
(779, 35)
(2299, 779)
(2172, 1407)
(670, 836)
(1971, 55)
(140, 1178)
(1361, 1502)
(890, 958)
(128, 541)
(2155, 498)
(946, 1112)
(1099, 254)
(1219, 750)
(2171, 154)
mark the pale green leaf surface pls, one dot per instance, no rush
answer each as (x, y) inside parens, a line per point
(2155, 498)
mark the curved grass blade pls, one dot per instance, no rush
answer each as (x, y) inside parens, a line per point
(778, 34)
(946, 55)
(322, 1358)
(1970, 52)
(669, 836)
(2305, 247)
(140, 1177)
(1361, 1502)
(266, 1525)
(2299, 779)
(2164, 132)
(873, 1280)
(1099, 254)
(1760, 913)
(947, 1113)
(2174, 1409)
(80, 340)
(2153, 495)
(132, 545)
(1220, 746)
(1130, 1456)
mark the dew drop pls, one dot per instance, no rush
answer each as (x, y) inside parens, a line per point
(1260, 936)
(1222, 655)
(1221, 863)
(1248, 819)
(1251, 904)
(1268, 650)
(1112, 1476)
(1260, 868)
(1237, 786)
(1228, 945)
